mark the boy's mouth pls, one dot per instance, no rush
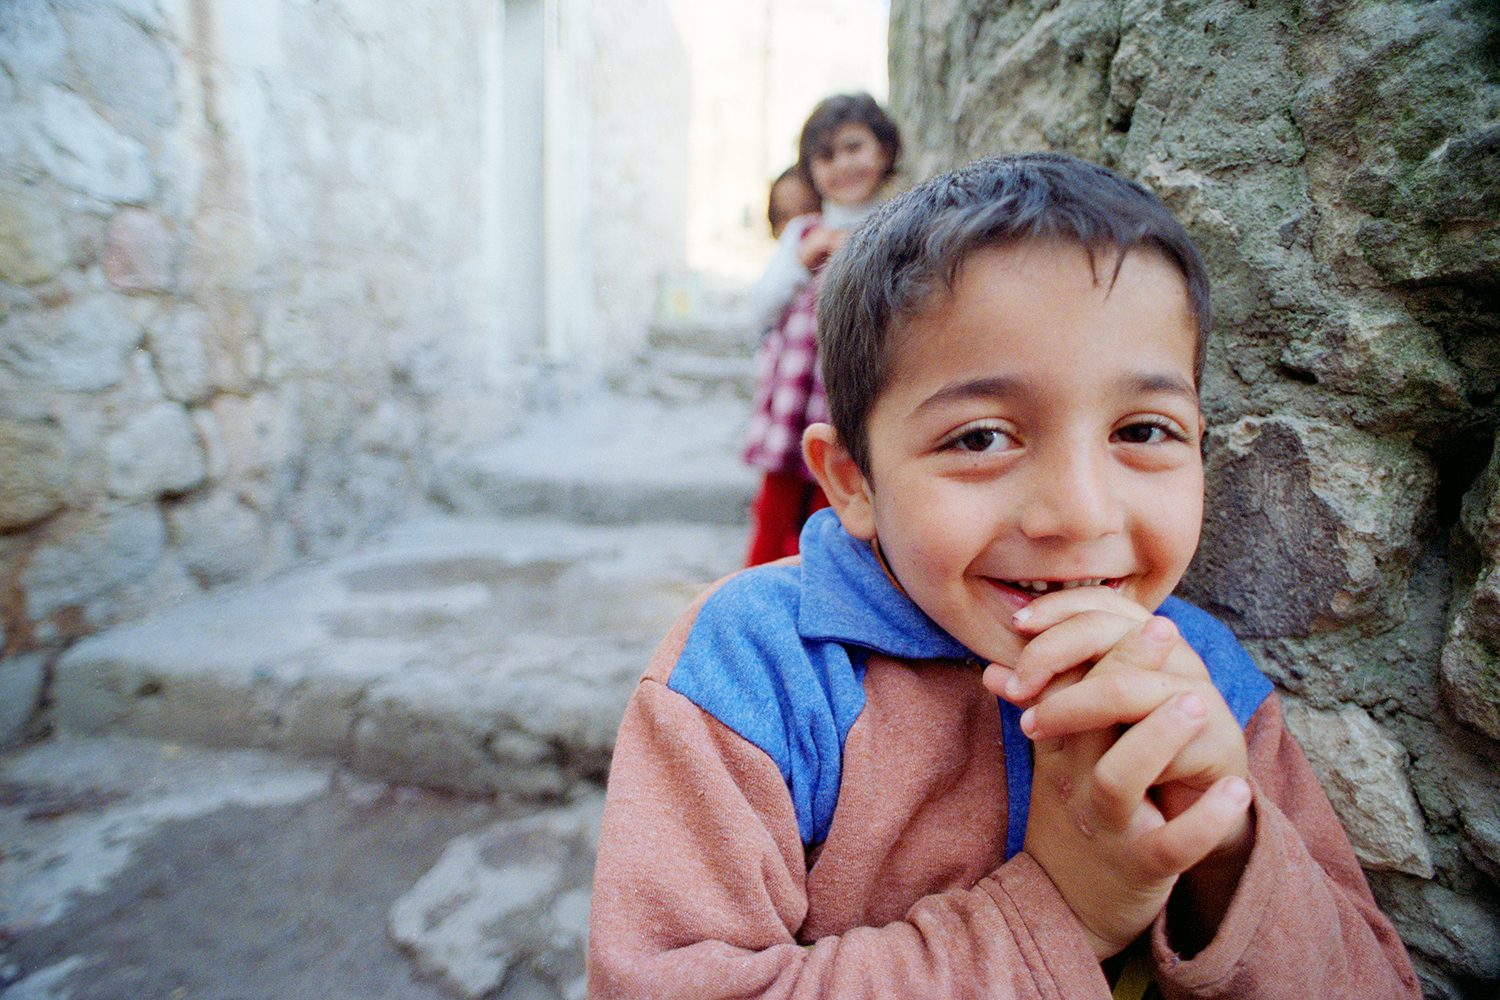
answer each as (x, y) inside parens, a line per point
(1037, 588)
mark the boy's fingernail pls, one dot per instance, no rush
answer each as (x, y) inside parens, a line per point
(1013, 688)
(1021, 617)
(1193, 705)
(1028, 722)
(1159, 629)
(1238, 790)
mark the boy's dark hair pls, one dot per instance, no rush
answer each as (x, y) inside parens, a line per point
(841, 109)
(913, 246)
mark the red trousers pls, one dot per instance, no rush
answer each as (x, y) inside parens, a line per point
(782, 506)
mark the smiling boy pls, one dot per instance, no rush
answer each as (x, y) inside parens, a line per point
(816, 791)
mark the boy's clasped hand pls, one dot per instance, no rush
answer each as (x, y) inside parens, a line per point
(1140, 769)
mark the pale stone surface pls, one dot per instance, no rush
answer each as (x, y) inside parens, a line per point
(175, 339)
(1456, 930)
(125, 62)
(151, 783)
(81, 557)
(1364, 773)
(21, 684)
(32, 244)
(467, 655)
(1471, 658)
(512, 896)
(305, 215)
(35, 482)
(155, 453)
(32, 41)
(1327, 513)
(218, 537)
(138, 257)
(83, 151)
(82, 347)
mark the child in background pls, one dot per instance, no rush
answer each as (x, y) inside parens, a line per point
(791, 196)
(816, 792)
(846, 153)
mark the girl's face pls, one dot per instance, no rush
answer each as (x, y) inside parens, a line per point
(850, 167)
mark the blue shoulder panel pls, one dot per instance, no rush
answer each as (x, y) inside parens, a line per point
(1236, 676)
(745, 664)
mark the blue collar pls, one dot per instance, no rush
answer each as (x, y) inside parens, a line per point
(847, 598)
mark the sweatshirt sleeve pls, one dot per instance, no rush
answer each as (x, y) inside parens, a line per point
(1302, 922)
(783, 278)
(700, 889)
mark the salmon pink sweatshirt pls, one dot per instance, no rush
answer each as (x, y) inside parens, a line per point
(812, 795)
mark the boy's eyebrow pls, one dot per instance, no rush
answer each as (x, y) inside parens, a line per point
(1004, 387)
(999, 388)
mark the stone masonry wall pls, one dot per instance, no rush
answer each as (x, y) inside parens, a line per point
(248, 278)
(1339, 163)
(238, 251)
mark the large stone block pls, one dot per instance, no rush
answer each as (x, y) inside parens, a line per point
(1363, 772)
(82, 151)
(175, 338)
(81, 347)
(122, 65)
(33, 44)
(1460, 932)
(217, 537)
(138, 256)
(33, 245)
(88, 554)
(1307, 527)
(511, 899)
(34, 484)
(1471, 657)
(156, 452)
(22, 681)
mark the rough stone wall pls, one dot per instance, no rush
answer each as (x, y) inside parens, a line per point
(1339, 164)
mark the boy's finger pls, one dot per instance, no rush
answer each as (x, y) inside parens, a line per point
(1181, 843)
(1048, 610)
(1105, 698)
(1141, 756)
(1084, 638)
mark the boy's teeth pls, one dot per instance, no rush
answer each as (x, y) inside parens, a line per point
(1044, 586)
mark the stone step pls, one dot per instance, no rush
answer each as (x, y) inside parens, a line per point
(610, 459)
(476, 656)
(687, 378)
(725, 336)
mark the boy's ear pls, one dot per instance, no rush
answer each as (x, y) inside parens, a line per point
(845, 485)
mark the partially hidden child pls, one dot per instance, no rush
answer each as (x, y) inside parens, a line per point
(968, 744)
(847, 153)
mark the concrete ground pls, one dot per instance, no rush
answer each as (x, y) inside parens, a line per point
(136, 869)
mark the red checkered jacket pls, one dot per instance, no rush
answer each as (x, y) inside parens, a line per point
(789, 390)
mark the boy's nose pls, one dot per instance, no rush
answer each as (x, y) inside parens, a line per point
(1071, 498)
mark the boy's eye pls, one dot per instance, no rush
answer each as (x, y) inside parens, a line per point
(1146, 433)
(981, 439)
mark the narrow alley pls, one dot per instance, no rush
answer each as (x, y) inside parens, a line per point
(380, 776)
